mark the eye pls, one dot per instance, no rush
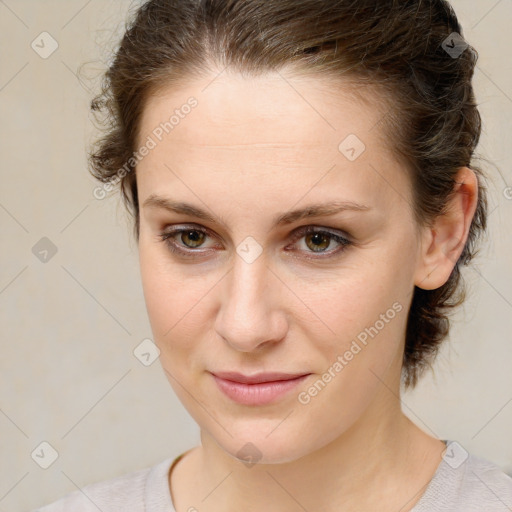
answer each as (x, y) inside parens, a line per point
(191, 237)
(318, 239)
(184, 240)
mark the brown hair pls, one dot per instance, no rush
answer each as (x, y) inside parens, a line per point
(403, 49)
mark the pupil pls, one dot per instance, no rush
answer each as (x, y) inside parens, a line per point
(194, 237)
(319, 240)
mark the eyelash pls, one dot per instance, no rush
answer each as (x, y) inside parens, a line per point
(297, 235)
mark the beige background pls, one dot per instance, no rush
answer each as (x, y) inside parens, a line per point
(69, 326)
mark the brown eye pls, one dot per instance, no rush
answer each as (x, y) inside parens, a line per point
(185, 240)
(317, 242)
(194, 236)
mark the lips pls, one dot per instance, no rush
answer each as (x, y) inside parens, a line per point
(258, 378)
(258, 389)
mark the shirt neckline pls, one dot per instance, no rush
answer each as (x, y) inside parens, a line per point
(437, 486)
(157, 496)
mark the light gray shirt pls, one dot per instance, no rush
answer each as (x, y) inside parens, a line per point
(461, 483)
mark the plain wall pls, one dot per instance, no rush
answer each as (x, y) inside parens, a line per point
(70, 325)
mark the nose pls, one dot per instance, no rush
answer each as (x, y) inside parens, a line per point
(250, 314)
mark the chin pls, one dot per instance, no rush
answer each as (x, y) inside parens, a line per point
(254, 445)
(265, 452)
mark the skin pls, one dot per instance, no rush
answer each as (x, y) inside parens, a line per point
(254, 148)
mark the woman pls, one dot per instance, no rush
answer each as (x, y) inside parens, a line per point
(301, 181)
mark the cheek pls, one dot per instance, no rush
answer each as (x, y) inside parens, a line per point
(160, 300)
(163, 301)
(356, 298)
(366, 312)
(369, 319)
(369, 327)
(168, 292)
(175, 300)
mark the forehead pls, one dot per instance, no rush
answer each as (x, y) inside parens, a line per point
(267, 134)
(274, 107)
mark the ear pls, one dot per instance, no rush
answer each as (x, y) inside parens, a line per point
(443, 242)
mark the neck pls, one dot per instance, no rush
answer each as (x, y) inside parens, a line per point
(382, 459)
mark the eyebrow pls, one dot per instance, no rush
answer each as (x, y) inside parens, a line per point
(282, 219)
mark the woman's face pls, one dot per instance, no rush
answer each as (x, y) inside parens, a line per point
(243, 288)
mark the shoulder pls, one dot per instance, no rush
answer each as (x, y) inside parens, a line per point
(465, 482)
(486, 484)
(124, 493)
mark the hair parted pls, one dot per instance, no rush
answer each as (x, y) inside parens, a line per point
(395, 47)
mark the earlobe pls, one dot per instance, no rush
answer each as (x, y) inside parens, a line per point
(443, 242)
